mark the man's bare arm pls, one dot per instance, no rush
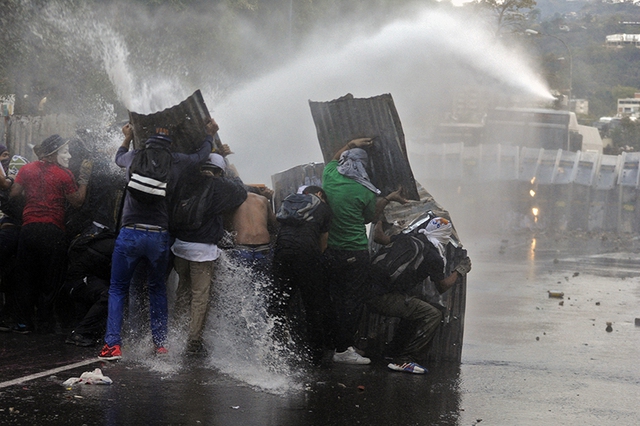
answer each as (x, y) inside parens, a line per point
(354, 143)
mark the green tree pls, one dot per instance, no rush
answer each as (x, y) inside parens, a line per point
(509, 15)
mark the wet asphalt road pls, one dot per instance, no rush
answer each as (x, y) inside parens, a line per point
(527, 360)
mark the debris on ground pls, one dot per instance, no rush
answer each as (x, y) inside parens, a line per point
(94, 377)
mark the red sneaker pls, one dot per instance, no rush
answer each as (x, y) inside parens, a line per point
(110, 353)
(162, 351)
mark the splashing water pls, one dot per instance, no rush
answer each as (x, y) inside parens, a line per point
(238, 332)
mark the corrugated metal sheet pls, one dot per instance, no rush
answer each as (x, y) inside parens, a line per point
(287, 182)
(23, 132)
(185, 121)
(341, 120)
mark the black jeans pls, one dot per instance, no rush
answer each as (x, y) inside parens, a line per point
(303, 272)
(347, 272)
(41, 258)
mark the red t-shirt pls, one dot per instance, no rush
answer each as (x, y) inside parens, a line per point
(45, 186)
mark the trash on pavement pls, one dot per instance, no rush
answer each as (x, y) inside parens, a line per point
(94, 377)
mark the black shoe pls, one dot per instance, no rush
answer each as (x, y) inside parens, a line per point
(4, 326)
(80, 340)
(22, 329)
(195, 347)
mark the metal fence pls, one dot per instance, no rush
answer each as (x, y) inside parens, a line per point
(538, 188)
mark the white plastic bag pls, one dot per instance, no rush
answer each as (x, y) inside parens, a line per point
(94, 377)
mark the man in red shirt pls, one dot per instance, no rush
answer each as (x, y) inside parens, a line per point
(47, 185)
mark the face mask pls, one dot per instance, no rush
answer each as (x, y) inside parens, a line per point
(64, 156)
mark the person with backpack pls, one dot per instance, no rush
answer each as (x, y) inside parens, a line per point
(354, 201)
(202, 197)
(404, 262)
(297, 266)
(144, 229)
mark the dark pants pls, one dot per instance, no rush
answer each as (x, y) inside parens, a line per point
(41, 258)
(303, 272)
(9, 236)
(419, 322)
(90, 297)
(347, 276)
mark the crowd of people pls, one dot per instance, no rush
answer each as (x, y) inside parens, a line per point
(71, 244)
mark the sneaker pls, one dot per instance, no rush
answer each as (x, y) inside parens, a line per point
(161, 350)
(110, 353)
(4, 326)
(195, 347)
(80, 340)
(408, 367)
(350, 356)
(22, 329)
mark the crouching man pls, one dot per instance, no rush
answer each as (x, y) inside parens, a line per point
(404, 262)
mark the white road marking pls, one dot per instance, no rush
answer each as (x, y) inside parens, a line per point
(48, 372)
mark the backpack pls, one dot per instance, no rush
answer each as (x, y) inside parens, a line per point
(297, 209)
(401, 259)
(189, 206)
(149, 174)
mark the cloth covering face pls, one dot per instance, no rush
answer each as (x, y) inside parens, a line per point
(352, 164)
(438, 232)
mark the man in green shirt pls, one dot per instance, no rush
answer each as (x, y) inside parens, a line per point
(354, 202)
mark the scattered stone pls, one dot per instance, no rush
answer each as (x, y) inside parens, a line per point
(637, 322)
(609, 328)
(361, 388)
(561, 303)
(556, 294)
(556, 260)
(575, 274)
(537, 338)
(597, 303)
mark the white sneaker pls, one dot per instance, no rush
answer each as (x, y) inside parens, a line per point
(350, 356)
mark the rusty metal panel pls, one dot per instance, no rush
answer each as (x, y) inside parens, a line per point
(341, 120)
(287, 182)
(185, 121)
(376, 331)
(23, 132)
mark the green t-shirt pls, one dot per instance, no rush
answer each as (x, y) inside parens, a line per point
(352, 205)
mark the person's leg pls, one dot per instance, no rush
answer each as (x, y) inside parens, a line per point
(53, 240)
(347, 271)
(310, 279)
(157, 252)
(201, 273)
(126, 256)
(9, 236)
(183, 292)
(27, 261)
(422, 318)
(93, 323)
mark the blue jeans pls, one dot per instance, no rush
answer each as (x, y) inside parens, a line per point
(133, 245)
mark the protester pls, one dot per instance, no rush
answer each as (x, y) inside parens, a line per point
(201, 198)
(297, 266)
(47, 185)
(10, 221)
(87, 283)
(144, 230)
(253, 223)
(352, 198)
(404, 263)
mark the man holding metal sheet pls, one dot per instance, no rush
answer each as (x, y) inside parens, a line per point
(404, 262)
(354, 202)
(144, 231)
